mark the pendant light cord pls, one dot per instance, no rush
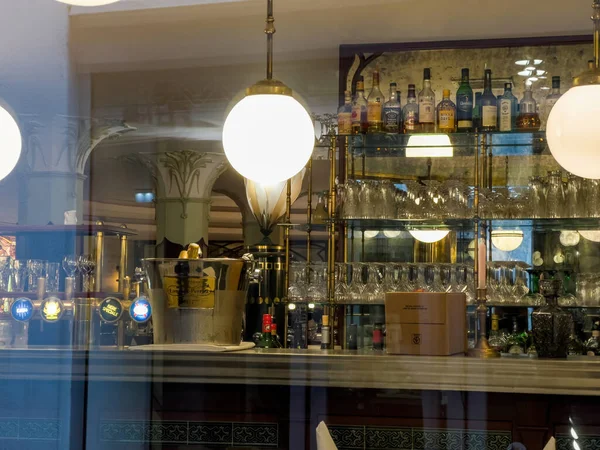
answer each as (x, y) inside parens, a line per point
(596, 20)
(270, 31)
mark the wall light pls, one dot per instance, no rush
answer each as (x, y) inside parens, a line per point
(268, 136)
(572, 129)
(507, 240)
(429, 145)
(429, 236)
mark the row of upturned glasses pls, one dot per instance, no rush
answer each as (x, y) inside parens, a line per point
(367, 283)
(430, 199)
(23, 275)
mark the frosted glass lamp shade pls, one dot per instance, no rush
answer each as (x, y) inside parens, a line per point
(10, 143)
(429, 146)
(391, 234)
(88, 2)
(268, 138)
(370, 234)
(507, 241)
(429, 236)
(591, 235)
(572, 131)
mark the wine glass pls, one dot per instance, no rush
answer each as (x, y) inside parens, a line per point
(69, 265)
(86, 265)
(35, 270)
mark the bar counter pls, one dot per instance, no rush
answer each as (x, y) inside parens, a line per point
(314, 368)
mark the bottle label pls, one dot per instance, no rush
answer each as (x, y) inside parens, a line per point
(505, 115)
(446, 119)
(391, 119)
(377, 336)
(196, 292)
(489, 116)
(410, 121)
(494, 325)
(465, 124)
(325, 337)
(356, 113)
(266, 327)
(464, 104)
(345, 123)
(426, 110)
(374, 111)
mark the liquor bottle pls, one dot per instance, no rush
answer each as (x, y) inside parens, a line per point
(378, 337)
(325, 333)
(575, 344)
(464, 104)
(477, 112)
(410, 112)
(275, 337)
(392, 112)
(495, 339)
(427, 105)
(345, 115)
(516, 341)
(528, 119)
(266, 338)
(508, 106)
(353, 337)
(375, 103)
(488, 105)
(359, 109)
(550, 102)
(592, 346)
(399, 98)
(446, 114)
(320, 214)
(551, 324)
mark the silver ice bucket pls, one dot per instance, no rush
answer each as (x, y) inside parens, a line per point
(197, 301)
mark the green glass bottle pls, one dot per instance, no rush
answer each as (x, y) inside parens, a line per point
(464, 104)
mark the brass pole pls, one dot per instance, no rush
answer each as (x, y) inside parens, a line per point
(596, 20)
(286, 234)
(99, 259)
(482, 348)
(345, 226)
(270, 31)
(309, 210)
(332, 205)
(123, 260)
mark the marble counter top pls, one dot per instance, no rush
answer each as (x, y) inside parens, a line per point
(579, 376)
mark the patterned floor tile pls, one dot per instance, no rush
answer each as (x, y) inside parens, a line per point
(122, 431)
(388, 438)
(211, 433)
(168, 432)
(264, 435)
(348, 437)
(9, 428)
(48, 429)
(587, 442)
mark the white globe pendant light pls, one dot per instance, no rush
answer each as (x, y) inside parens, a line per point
(572, 129)
(88, 2)
(507, 240)
(268, 137)
(10, 143)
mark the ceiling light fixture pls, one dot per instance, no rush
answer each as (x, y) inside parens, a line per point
(537, 62)
(572, 129)
(526, 73)
(591, 235)
(429, 236)
(268, 136)
(522, 62)
(429, 146)
(88, 2)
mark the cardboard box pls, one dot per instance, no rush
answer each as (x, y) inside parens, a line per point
(425, 323)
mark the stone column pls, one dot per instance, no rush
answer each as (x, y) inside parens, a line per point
(184, 182)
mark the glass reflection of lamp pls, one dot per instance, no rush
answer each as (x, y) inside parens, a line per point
(88, 2)
(10, 143)
(572, 129)
(268, 136)
(391, 234)
(429, 145)
(429, 236)
(370, 234)
(591, 235)
(507, 240)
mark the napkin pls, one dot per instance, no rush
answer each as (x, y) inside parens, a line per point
(324, 440)
(551, 445)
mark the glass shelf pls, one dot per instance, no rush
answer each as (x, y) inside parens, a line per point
(460, 141)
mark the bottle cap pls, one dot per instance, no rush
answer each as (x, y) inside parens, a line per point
(507, 85)
(411, 87)
(325, 320)
(446, 92)
(273, 328)
(267, 318)
(465, 72)
(427, 74)
(555, 82)
(495, 317)
(393, 85)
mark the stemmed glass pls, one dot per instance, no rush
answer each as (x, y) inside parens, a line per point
(5, 270)
(86, 266)
(19, 275)
(35, 270)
